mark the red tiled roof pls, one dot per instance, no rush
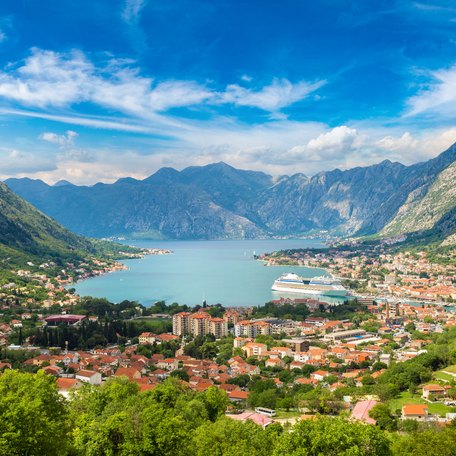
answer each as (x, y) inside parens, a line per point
(238, 395)
(66, 383)
(85, 373)
(415, 409)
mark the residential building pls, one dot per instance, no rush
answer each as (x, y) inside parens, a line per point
(248, 328)
(146, 338)
(218, 327)
(431, 391)
(199, 324)
(361, 411)
(181, 323)
(89, 376)
(254, 349)
(417, 412)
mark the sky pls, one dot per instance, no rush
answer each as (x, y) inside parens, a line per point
(95, 90)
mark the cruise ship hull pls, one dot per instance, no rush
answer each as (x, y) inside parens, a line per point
(313, 290)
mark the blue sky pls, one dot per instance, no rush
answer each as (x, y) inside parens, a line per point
(96, 90)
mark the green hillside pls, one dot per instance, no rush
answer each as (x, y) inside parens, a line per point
(27, 235)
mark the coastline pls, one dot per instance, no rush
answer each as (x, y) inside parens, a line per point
(193, 261)
(119, 266)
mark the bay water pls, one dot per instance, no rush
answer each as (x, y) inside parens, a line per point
(216, 271)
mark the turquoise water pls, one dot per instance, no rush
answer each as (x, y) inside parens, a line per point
(218, 271)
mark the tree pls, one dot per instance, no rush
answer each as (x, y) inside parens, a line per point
(240, 380)
(216, 402)
(266, 398)
(285, 403)
(33, 418)
(426, 443)
(180, 373)
(332, 436)
(227, 437)
(386, 391)
(382, 414)
(368, 380)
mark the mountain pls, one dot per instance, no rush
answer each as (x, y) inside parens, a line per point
(194, 203)
(218, 201)
(26, 234)
(401, 212)
(335, 200)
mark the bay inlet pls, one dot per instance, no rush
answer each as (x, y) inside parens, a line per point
(218, 271)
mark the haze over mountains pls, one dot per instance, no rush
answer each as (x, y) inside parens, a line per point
(218, 201)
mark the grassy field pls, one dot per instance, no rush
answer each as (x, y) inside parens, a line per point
(407, 398)
(440, 409)
(282, 414)
(439, 375)
(451, 369)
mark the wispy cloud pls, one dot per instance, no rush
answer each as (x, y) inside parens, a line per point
(274, 97)
(437, 97)
(64, 140)
(49, 79)
(85, 121)
(132, 10)
(70, 87)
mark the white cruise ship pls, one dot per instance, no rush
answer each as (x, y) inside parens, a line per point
(327, 286)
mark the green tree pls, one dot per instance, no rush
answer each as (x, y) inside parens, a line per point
(227, 437)
(180, 373)
(216, 402)
(33, 418)
(266, 398)
(332, 437)
(427, 443)
(382, 414)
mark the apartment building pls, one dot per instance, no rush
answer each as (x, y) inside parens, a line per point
(248, 328)
(199, 324)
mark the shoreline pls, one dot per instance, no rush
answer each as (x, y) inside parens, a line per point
(119, 266)
(265, 263)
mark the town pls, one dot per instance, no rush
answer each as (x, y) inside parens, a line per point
(380, 273)
(289, 360)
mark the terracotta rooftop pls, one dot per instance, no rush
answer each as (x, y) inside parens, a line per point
(415, 409)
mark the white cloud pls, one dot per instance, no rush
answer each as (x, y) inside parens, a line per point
(49, 79)
(403, 143)
(274, 97)
(439, 97)
(132, 10)
(281, 147)
(62, 140)
(339, 138)
(335, 143)
(86, 121)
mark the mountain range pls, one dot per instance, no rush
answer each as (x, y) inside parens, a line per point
(218, 201)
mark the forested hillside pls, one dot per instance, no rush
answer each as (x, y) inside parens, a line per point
(27, 235)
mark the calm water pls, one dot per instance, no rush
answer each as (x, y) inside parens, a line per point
(218, 271)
